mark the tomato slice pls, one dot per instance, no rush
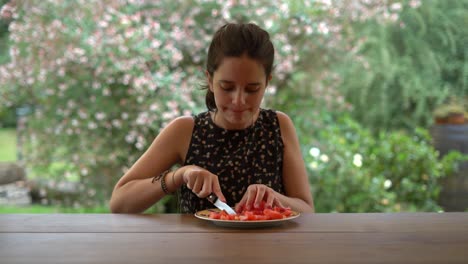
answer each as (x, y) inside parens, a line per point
(273, 214)
(287, 212)
(214, 215)
(262, 217)
(243, 218)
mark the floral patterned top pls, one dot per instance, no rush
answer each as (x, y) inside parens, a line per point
(239, 157)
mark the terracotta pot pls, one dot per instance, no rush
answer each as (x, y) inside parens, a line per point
(456, 119)
(441, 120)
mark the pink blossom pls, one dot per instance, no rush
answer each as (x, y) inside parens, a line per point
(6, 12)
(415, 3)
(100, 116)
(323, 28)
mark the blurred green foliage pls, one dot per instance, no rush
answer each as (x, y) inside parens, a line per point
(7, 114)
(7, 117)
(407, 68)
(393, 172)
(3, 35)
(353, 170)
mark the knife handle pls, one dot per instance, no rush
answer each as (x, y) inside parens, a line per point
(212, 198)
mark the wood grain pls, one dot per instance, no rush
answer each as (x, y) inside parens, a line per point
(176, 238)
(122, 223)
(234, 248)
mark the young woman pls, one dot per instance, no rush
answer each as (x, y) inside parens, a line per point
(244, 154)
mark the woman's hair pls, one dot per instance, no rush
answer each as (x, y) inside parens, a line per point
(235, 40)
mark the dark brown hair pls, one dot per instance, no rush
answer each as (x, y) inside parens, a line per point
(235, 40)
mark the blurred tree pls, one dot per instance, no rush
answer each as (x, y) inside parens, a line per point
(7, 114)
(400, 69)
(5, 18)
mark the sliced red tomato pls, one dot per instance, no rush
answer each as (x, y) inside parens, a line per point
(284, 211)
(273, 214)
(254, 214)
(262, 217)
(257, 211)
(214, 215)
(243, 218)
(287, 212)
(224, 217)
(250, 215)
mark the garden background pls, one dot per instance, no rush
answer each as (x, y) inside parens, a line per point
(85, 86)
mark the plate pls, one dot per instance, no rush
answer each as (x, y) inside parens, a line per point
(204, 215)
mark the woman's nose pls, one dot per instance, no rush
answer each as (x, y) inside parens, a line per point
(239, 97)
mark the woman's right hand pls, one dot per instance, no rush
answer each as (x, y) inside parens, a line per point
(202, 182)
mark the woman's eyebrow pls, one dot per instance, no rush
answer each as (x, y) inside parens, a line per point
(226, 81)
(231, 82)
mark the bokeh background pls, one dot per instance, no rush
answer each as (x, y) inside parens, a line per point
(374, 88)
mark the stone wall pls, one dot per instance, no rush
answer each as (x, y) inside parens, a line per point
(13, 188)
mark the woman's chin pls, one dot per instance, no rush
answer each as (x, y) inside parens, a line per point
(238, 120)
(240, 123)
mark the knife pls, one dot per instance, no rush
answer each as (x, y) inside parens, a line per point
(220, 204)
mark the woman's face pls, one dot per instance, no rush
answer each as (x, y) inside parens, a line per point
(238, 85)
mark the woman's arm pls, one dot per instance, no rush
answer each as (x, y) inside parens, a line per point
(295, 179)
(135, 192)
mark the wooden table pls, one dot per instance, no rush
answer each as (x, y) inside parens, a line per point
(175, 238)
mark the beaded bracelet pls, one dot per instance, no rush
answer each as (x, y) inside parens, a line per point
(163, 181)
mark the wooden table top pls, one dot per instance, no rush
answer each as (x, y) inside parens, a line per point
(179, 238)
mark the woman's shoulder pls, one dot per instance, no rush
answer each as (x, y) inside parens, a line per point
(276, 115)
(286, 125)
(177, 135)
(283, 117)
(183, 122)
(180, 126)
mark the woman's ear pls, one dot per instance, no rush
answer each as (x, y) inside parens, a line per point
(209, 80)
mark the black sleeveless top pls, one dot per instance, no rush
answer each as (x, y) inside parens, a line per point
(239, 157)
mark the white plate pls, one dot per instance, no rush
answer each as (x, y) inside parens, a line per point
(204, 215)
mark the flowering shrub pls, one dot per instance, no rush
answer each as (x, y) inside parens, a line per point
(102, 78)
(352, 171)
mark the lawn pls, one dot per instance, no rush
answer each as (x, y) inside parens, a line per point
(8, 154)
(7, 144)
(43, 209)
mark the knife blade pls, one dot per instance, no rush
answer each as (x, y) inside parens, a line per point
(220, 204)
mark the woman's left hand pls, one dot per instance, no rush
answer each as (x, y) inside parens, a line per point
(255, 194)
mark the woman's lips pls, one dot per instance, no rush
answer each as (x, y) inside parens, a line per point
(238, 110)
(238, 113)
